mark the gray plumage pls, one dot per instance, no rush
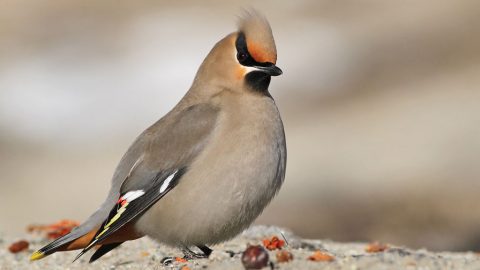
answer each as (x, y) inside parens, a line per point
(227, 138)
(229, 182)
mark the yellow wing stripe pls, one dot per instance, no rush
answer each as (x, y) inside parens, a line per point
(114, 218)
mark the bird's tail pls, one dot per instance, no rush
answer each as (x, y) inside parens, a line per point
(78, 238)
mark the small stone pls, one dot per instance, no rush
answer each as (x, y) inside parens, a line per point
(284, 256)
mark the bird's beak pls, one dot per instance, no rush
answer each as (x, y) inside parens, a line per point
(270, 69)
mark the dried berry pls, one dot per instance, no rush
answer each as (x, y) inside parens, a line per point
(255, 257)
(61, 228)
(54, 230)
(284, 256)
(181, 260)
(376, 247)
(273, 243)
(18, 246)
(319, 256)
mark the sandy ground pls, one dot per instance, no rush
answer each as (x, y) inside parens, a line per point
(146, 254)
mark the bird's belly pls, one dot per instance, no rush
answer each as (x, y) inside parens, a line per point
(217, 199)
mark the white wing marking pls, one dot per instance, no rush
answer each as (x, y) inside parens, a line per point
(167, 181)
(132, 195)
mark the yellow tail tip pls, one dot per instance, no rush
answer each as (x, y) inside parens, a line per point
(37, 255)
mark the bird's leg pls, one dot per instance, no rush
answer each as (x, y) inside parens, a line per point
(189, 254)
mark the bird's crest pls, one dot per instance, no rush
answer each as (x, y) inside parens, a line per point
(259, 37)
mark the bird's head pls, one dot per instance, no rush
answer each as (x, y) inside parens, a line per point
(244, 58)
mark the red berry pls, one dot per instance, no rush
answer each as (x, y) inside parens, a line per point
(255, 257)
(18, 246)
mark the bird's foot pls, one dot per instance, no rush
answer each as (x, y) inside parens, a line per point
(188, 255)
(191, 255)
(167, 260)
(206, 250)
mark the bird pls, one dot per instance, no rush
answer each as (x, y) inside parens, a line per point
(206, 170)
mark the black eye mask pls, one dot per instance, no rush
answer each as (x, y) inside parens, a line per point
(243, 56)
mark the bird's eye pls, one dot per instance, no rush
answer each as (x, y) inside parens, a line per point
(241, 56)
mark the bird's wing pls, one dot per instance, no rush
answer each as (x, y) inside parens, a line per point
(77, 234)
(134, 202)
(171, 146)
(165, 149)
(102, 250)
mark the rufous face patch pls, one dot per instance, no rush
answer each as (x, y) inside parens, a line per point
(260, 54)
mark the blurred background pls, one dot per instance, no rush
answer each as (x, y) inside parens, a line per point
(380, 101)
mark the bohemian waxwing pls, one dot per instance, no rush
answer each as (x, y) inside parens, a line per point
(202, 173)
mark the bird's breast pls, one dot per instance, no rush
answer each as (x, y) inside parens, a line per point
(230, 182)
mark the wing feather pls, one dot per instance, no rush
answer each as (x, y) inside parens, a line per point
(172, 143)
(130, 206)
